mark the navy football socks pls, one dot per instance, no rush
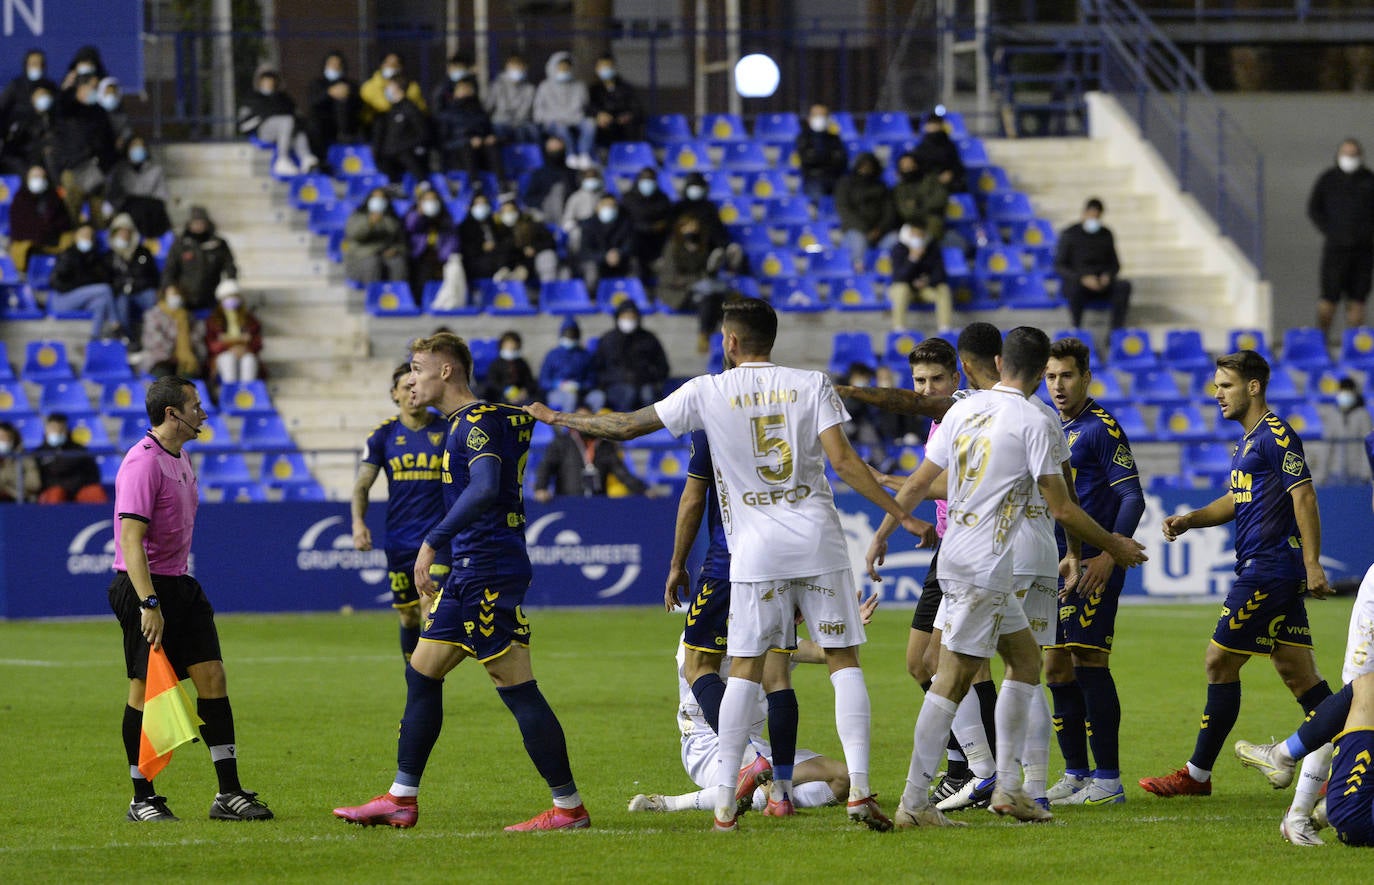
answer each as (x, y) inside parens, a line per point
(708, 690)
(420, 725)
(410, 637)
(1218, 718)
(1104, 712)
(1323, 723)
(1070, 713)
(782, 731)
(542, 733)
(1314, 696)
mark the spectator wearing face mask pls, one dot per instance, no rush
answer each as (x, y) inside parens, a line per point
(583, 465)
(485, 243)
(614, 105)
(608, 244)
(138, 187)
(581, 205)
(918, 273)
(19, 476)
(651, 212)
(684, 265)
(532, 258)
(134, 275)
(85, 147)
(30, 137)
(466, 134)
(920, 199)
(1345, 462)
(821, 153)
(510, 101)
(66, 472)
(111, 98)
(81, 282)
(696, 203)
(233, 339)
(862, 428)
(17, 96)
(1089, 269)
(334, 107)
(400, 135)
(433, 244)
(566, 375)
(39, 221)
(629, 363)
(373, 94)
(938, 155)
(199, 261)
(1342, 208)
(173, 340)
(85, 63)
(459, 67)
(547, 189)
(376, 242)
(560, 108)
(270, 114)
(867, 215)
(509, 377)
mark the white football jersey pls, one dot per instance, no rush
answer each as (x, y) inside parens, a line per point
(993, 446)
(1035, 551)
(764, 423)
(690, 719)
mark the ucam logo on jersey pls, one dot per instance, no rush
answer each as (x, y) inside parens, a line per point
(327, 545)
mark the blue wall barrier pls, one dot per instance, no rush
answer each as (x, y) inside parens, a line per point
(55, 561)
(61, 27)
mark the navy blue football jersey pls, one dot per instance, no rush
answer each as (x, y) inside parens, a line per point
(1102, 462)
(496, 539)
(411, 460)
(1268, 464)
(716, 565)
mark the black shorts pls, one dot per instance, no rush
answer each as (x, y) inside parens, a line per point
(1347, 272)
(189, 636)
(923, 618)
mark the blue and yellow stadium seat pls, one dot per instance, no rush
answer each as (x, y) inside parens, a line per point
(611, 292)
(688, 156)
(667, 129)
(314, 189)
(565, 297)
(351, 160)
(722, 128)
(224, 467)
(1157, 387)
(106, 360)
(121, 398)
(284, 469)
(796, 295)
(506, 298)
(14, 401)
(46, 361)
(1305, 348)
(1131, 350)
(1183, 351)
(264, 432)
(246, 398)
(1357, 348)
(390, 298)
(64, 396)
(1305, 420)
(860, 292)
(1249, 339)
(779, 128)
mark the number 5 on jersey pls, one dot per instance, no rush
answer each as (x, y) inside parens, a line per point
(769, 447)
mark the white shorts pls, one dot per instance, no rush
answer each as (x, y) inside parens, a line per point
(1039, 595)
(763, 613)
(1359, 646)
(972, 618)
(699, 755)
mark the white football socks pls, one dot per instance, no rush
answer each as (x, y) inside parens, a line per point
(928, 743)
(853, 719)
(1013, 702)
(973, 738)
(738, 709)
(1316, 767)
(1035, 756)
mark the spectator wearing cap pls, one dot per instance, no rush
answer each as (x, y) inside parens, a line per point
(566, 375)
(509, 377)
(39, 221)
(199, 261)
(134, 276)
(629, 363)
(821, 153)
(66, 471)
(233, 338)
(138, 187)
(938, 155)
(270, 114)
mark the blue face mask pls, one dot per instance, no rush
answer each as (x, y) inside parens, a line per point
(567, 343)
(138, 154)
(647, 186)
(55, 439)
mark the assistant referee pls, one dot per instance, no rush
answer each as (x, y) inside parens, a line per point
(159, 604)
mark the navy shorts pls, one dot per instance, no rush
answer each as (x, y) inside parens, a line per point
(1090, 622)
(708, 616)
(923, 618)
(1261, 611)
(400, 572)
(189, 635)
(1350, 792)
(480, 614)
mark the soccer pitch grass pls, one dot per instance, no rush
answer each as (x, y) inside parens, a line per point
(318, 697)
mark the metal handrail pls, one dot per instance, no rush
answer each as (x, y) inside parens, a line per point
(1211, 156)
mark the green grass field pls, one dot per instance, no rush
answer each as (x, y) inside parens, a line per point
(318, 697)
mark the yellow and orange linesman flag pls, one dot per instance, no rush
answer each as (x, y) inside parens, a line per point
(168, 719)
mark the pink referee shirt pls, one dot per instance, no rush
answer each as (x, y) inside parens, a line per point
(158, 488)
(941, 505)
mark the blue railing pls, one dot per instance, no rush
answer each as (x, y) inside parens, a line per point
(1265, 11)
(1211, 156)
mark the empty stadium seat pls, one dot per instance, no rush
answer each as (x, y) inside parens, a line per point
(961, 208)
(19, 303)
(224, 467)
(736, 211)
(519, 157)
(1249, 339)
(993, 179)
(1305, 420)
(667, 129)
(39, 274)
(303, 491)
(888, 126)
(752, 238)
(899, 344)
(6, 367)
(972, 152)
(857, 293)
(1208, 458)
(9, 186)
(64, 396)
(773, 263)
(796, 295)
(46, 361)
(109, 468)
(1323, 384)
(1105, 388)
(328, 218)
(813, 237)
(851, 347)
(998, 262)
(390, 298)
(1183, 351)
(264, 432)
(14, 401)
(246, 398)
(669, 466)
(214, 435)
(613, 291)
(106, 360)
(1305, 348)
(132, 428)
(351, 160)
(120, 398)
(30, 430)
(722, 128)
(286, 468)
(787, 210)
(564, 297)
(629, 156)
(1027, 291)
(484, 352)
(766, 184)
(89, 431)
(1357, 348)
(833, 264)
(506, 298)
(1282, 390)
(236, 492)
(314, 189)
(1157, 387)
(779, 129)
(1132, 421)
(1131, 350)
(9, 274)
(688, 156)
(744, 157)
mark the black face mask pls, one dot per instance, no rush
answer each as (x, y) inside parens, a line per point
(912, 175)
(556, 158)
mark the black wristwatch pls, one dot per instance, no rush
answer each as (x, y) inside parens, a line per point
(150, 603)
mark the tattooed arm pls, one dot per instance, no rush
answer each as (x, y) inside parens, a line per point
(898, 400)
(618, 426)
